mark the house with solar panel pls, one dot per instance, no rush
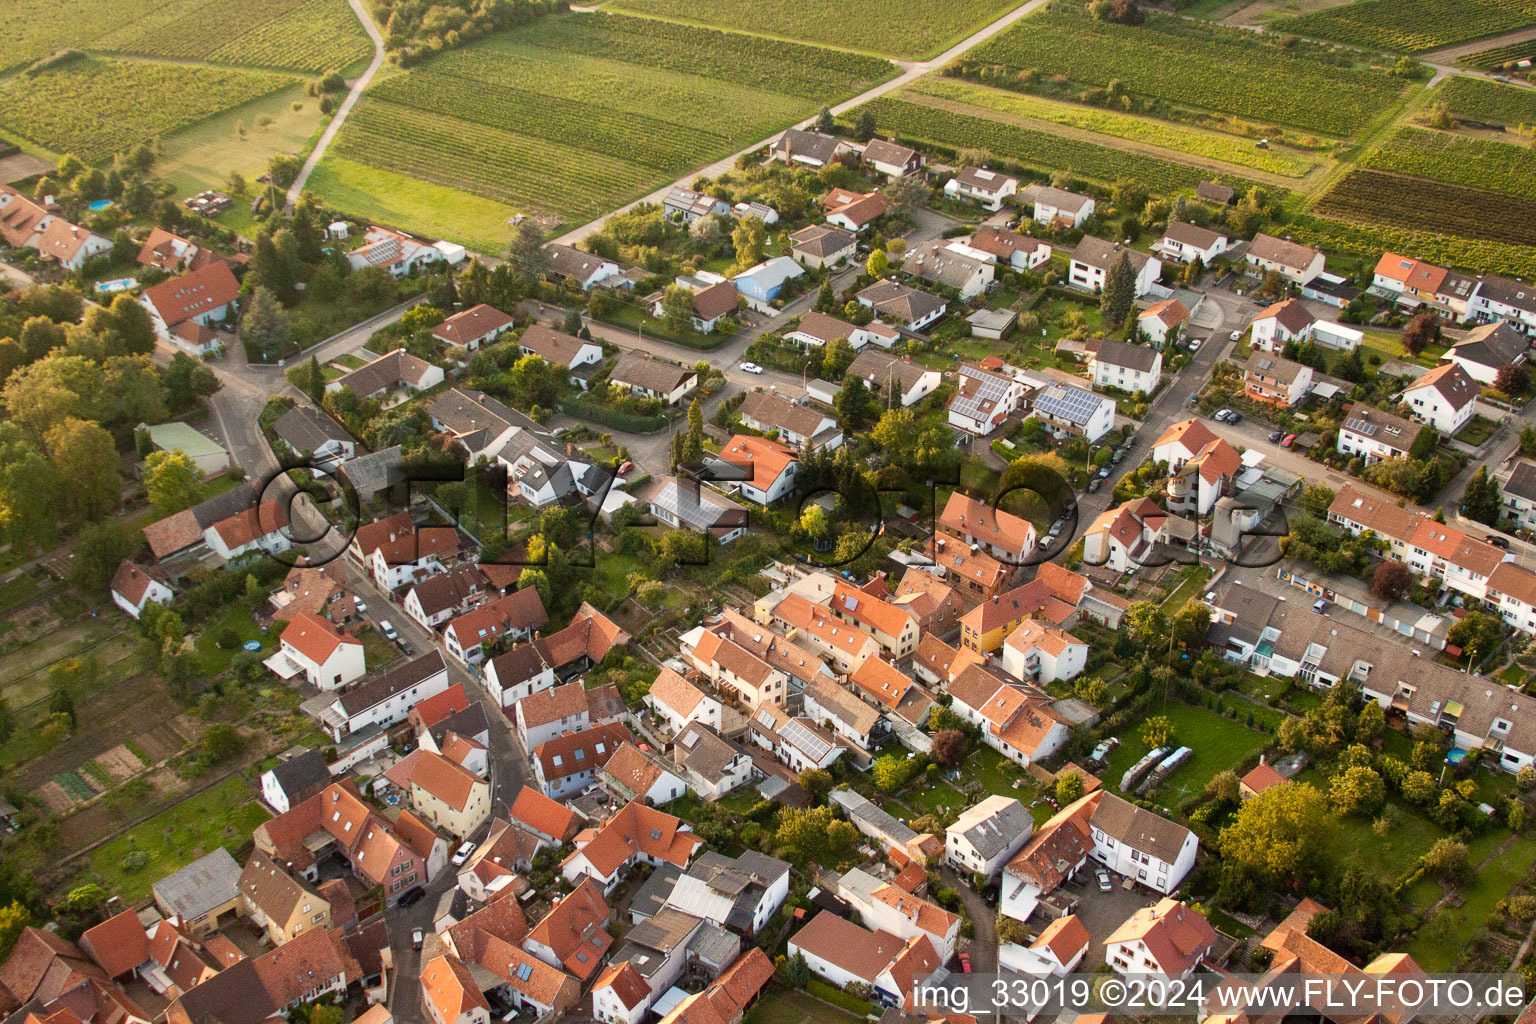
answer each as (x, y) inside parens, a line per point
(689, 505)
(984, 400)
(1066, 408)
(1374, 434)
(797, 742)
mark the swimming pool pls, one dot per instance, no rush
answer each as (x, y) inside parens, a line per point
(120, 284)
(100, 204)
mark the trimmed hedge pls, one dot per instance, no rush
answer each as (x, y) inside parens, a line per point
(837, 997)
(629, 423)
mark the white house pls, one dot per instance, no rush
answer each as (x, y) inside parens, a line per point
(980, 185)
(759, 470)
(134, 587)
(714, 766)
(184, 308)
(1020, 252)
(887, 908)
(1123, 536)
(1160, 320)
(558, 348)
(513, 675)
(1057, 950)
(652, 378)
(294, 780)
(1057, 206)
(842, 953)
(395, 252)
(1074, 410)
(412, 554)
(1119, 364)
(1275, 379)
(1184, 243)
(583, 269)
(986, 835)
(983, 400)
(891, 159)
(1374, 434)
(545, 714)
(1501, 298)
(688, 505)
(912, 382)
(1282, 323)
(796, 424)
(635, 774)
(1040, 654)
(621, 995)
(386, 699)
(1168, 940)
(255, 531)
(476, 326)
(439, 597)
(1445, 398)
(953, 264)
(567, 764)
(823, 245)
(1181, 442)
(305, 429)
(1295, 262)
(1487, 349)
(1093, 257)
(512, 616)
(896, 301)
(328, 658)
(677, 702)
(741, 895)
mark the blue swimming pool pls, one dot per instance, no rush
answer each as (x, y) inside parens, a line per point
(120, 284)
(101, 204)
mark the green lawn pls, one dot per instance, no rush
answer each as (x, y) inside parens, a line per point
(221, 816)
(1195, 577)
(791, 1006)
(1438, 942)
(377, 651)
(1388, 856)
(1218, 744)
(14, 592)
(413, 205)
(211, 659)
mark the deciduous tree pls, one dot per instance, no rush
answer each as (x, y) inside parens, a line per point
(86, 458)
(1391, 579)
(172, 481)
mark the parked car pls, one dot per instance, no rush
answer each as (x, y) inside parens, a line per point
(627, 468)
(361, 607)
(1497, 541)
(462, 854)
(1275, 435)
(1103, 877)
(1290, 439)
(751, 368)
(1233, 416)
(1119, 454)
(965, 963)
(1223, 415)
(1321, 605)
(1095, 484)
(388, 631)
(1195, 343)
(413, 897)
(1235, 335)
(417, 935)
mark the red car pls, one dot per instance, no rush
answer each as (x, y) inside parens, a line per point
(965, 963)
(1290, 439)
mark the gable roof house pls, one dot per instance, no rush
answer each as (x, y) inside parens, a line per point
(1093, 257)
(310, 431)
(570, 707)
(294, 780)
(984, 400)
(480, 424)
(689, 505)
(281, 905)
(988, 188)
(1058, 949)
(571, 762)
(514, 616)
(448, 795)
(1295, 262)
(558, 348)
(1280, 324)
(952, 264)
(843, 953)
(823, 245)
(892, 691)
(884, 373)
(797, 424)
(998, 533)
(898, 302)
(396, 552)
(1016, 720)
(1041, 654)
(1374, 434)
(635, 834)
(391, 378)
(1168, 940)
(1445, 398)
(583, 269)
(173, 253)
(688, 206)
(476, 326)
(1487, 349)
(677, 702)
(387, 698)
(933, 602)
(634, 774)
(810, 148)
(336, 820)
(396, 252)
(853, 211)
(1021, 252)
(312, 966)
(1119, 364)
(893, 627)
(1124, 537)
(441, 596)
(1517, 484)
(1181, 442)
(841, 712)
(986, 835)
(1058, 207)
(891, 159)
(761, 285)
(1184, 243)
(1204, 479)
(327, 657)
(133, 587)
(38, 226)
(712, 765)
(1502, 298)
(1161, 320)
(204, 894)
(888, 908)
(1275, 379)
(653, 378)
(184, 308)
(758, 469)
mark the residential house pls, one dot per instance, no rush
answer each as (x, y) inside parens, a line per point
(312, 967)
(447, 794)
(757, 469)
(853, 211)
(952, 264)
(570, 763)
(823, 245)
(204, 895)
(514, 674)
(1057, 950)
(634, 774)
(573, 936)
(889, 908)
(677, 702)
(688, 206)
(638, 373)
(731, 664)
(391, 378)
(1297, 263)
(799, 743)
(1183, 242)
(1124, 538)
(583, 269)
(1161, 321)
(1374, 434)
(337, 821)
(838, 711)
(441, 596)
(980, 185)
(1275, 379)
(819, 329)
(570, 707)
(1413, 284)
(1069, 409)
(1056, 207)
(810, 148)
(892, 691)
(185, 309)
(895, 301)
(1182, 442)
(712, 765)
(1445, 398)
(513, 617)
(1280, 324)
(752, 208)
(1203, 480)
(1487, 349)
(688, 505)
(173, 253)
(1119, 364)
(558, 348)
(892, 626)
(986, 835)
(479, 424)
(1020, 252)
(893, 837)
(984, 400)
(891, 159)
(741, 895)
(1000, 534)
(133, 587)
(554, 823)
(1517, 484)
(1168, 940)
(450, 993)
(1017, 721)
(327, 657)
(896, 378)
(294, 780)
(842, 953)
(387, 698)
(396, 252)
(813, 626)
(1501, 298)
(933, 602)
(1093, 257)
(761, 285)
(635, 834)
(310, 432)
(281, 905)
(1261, 777)
(796, 424)
(794, 662)
(478, 325)
(1042, 654)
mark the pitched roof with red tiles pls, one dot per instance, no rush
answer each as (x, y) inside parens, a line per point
(575, 752)
(1176, 936)
(1262, 777)
(451, 783)
(959, 560)
(767, 460)
(118, 944)
(417, 834)
(873, 612)
(447, 984)
(544, 815)
(252, 524)
(1057, 847)
(315, 638)
(625, 982)
(1065, 937)
(520, 610)
(299, 965)
(440, 705)
(545, 706)
(675, 693)
(882, 681)
(1290, 314)
(633, 770)
(859, 951)
(201, 291)
(1451, 381)
(577, 924)
(1216, 460)
(966, 516)
(591, 634)
(1192, 433)
(728, 996)
(637, 829)
(131, 581)
(472, 325)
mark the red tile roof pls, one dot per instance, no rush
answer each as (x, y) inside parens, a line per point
(194, 294)
(315, 638)
(542, 814)
(472, 325)
(118, 944)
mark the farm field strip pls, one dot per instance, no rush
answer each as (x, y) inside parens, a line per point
(1035, 148)
(910, 29)
(1458, 160)
(1489, 60)
(1192, 64)
(95, 107)
(1194, 141)
(305, 35)
(1410, 25)
(1376, 197)
(36, 28)
(1366, 242)
(1482, 100)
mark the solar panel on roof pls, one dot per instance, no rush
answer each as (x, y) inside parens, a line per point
(812, 745)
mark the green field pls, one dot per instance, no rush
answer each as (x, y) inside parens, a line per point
(1438, 943)
(574, 115)
(1374, 197)
(1410, 25)
(305, 35)
(1458, 160)
(1366, 242)
(898, 28)
(1033, 148)
(1218, 743)
(36, 28)
(1483, 100)
(95, 107)
(1189, 63)
(1193, 141)
(388, 198)
(1498, 56)
(221, 816)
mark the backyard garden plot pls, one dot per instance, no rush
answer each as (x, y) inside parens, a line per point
(1410, 25)
(1375, 197)
(900, 28)
(95, 107)
(1219, 744)
(1034, 148)
(1193, 141)
(1458, 160)
(1191, 64)
(1482, 100)
(305, 35)
(576, 115)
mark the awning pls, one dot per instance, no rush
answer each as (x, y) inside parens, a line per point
(283, 665)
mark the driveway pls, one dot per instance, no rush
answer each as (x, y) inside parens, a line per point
(1102, 912)
(983, 946)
